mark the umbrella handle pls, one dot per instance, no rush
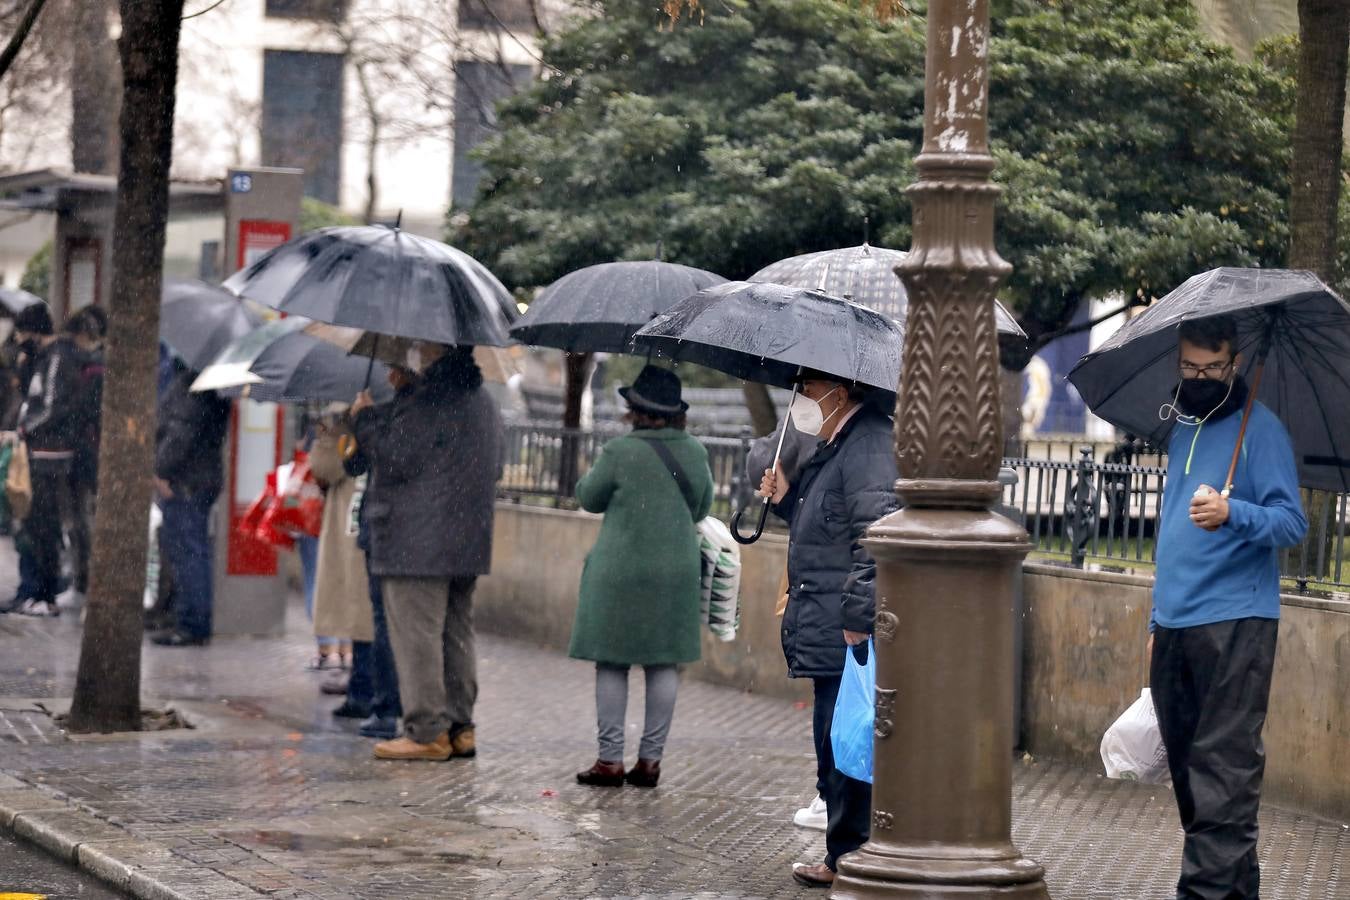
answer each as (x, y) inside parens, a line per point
(1242, 428)
(759, 528)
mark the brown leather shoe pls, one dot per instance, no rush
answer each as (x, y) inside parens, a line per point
(405, 747)
(645, 774)
(602, 774)
(462, 743)
(819, 875)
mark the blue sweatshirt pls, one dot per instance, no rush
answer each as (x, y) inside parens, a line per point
(1232, 573)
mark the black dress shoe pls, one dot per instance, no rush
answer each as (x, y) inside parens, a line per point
(602, 774)
(179, 639)
(350, 710)
(645, 774)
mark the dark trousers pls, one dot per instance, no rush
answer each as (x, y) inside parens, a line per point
(187, 548)
(360, 683)
(848, 802)
(1211, 688)
(384, 701)
(81, 530)
(51, 506)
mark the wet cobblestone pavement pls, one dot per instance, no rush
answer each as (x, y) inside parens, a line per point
(271, 795)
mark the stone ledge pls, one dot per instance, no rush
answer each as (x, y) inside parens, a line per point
(63, 832)
(107, 851)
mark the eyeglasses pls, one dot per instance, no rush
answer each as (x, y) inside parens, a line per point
(1212, 371)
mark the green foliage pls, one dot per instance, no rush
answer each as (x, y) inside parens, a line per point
(317, 214)
(1132, 151)
(37, 272)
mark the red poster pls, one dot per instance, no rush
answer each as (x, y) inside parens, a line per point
(257, 236)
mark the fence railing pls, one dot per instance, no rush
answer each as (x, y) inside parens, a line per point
(1080, 511)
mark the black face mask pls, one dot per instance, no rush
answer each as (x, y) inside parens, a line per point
(29, 346)
(1199, 397)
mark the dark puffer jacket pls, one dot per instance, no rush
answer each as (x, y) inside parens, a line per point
(190, 436)
(846, 486)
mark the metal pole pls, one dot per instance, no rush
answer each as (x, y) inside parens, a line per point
(941, 801)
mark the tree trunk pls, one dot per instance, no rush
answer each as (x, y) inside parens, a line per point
(95, 87)
(763, 415)
(1324, 36)
(578, 367)
(1314, 196)
(108, 682)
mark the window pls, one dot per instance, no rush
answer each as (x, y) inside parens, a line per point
(489, 15)
(327, 10)
(478, 88)
(302, 117)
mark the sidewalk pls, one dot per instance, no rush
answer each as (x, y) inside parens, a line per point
(272, 796)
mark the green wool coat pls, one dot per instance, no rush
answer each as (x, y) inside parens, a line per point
(639, 602)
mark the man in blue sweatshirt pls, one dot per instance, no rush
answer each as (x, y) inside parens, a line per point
(1216, 607)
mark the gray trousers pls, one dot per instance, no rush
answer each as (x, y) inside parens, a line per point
(611, 709)
(431, 632)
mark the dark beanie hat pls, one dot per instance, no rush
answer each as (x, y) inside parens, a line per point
(36, 318)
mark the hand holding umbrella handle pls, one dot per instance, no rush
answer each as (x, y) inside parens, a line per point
(759, 528)
(764, 509)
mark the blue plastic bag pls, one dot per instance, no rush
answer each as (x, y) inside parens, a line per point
(854, 713)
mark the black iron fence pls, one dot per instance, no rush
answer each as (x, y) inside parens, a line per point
(1079, 510)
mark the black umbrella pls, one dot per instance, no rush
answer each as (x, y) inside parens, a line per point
(863, 274)
(384, 280)
(198, 321)
(15, 299)
(1294, 337)
(599, 308)
(281, 363)
(770, 333)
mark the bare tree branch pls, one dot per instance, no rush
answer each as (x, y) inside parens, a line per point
(20, 35)
(1044, 339)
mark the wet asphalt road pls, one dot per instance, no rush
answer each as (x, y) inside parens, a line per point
(25, 869)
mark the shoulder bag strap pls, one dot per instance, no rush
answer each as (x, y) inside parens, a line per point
(676, 471)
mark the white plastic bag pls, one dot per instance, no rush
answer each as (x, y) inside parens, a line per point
(152, 560)
(1132, 748)
(721, 579)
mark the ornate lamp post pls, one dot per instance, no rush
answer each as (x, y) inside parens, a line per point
(942, 807)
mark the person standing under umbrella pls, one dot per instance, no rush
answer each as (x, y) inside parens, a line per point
(840, 491)
(639, 596)
(188, 477)
(436, 453)
(1216, 606)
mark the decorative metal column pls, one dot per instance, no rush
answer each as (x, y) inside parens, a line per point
(941, 803)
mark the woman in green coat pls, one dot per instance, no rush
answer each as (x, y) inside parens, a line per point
(639, 602)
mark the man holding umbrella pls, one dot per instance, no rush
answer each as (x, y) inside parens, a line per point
(1216, 605)
(436, 454)
(840, 491)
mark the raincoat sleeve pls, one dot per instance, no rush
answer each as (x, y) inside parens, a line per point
(389, 448)
(869, 491)
(1274, 518)
(596, 487)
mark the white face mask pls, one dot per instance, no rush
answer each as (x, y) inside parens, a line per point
(413, 359)
(806, 414)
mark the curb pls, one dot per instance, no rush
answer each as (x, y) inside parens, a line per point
(108, 852)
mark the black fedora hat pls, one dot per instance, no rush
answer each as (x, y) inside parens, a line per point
(655, 390)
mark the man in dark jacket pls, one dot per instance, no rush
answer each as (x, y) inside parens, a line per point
(840, 491)
(188, 478)
(48, 424)
(436, 456)
(87, 329)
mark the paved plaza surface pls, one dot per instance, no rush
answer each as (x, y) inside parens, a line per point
(272, 796)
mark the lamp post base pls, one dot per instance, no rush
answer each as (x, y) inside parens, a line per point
(929, 872)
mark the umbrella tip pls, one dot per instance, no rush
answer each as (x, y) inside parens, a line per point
(398, 220)
(659, 247)
(867, 230)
